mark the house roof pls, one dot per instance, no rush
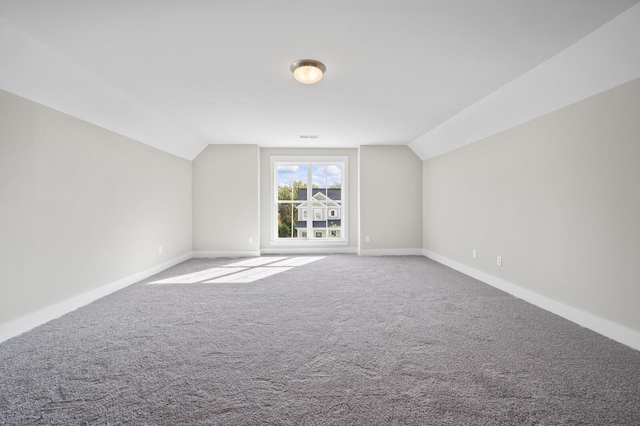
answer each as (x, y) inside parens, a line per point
(317, 193)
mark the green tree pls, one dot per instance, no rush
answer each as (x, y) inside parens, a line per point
(286, 216)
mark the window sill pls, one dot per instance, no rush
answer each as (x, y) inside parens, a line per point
(282, 242)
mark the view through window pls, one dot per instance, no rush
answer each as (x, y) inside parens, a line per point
(309, 200)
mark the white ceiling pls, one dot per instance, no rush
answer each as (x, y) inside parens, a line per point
(182, 74)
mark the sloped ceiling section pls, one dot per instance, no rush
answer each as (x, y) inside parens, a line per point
(431, 74)
(602, 60)
(33, 70)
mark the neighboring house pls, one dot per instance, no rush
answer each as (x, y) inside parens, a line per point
(323, 219)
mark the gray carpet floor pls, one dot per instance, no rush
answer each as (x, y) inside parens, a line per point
(342, 340)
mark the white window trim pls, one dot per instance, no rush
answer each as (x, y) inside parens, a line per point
(274, 240)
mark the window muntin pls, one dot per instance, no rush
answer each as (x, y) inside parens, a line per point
(309, 199)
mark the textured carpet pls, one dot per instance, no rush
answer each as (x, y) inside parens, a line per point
(342, 340)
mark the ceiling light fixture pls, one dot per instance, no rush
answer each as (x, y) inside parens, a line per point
(307, 71)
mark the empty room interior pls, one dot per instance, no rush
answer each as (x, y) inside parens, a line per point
(356, 212)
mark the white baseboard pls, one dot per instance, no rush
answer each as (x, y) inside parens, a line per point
(27, 322)
(610, 329)
(309, 250)
(390, 252)
(225, 253)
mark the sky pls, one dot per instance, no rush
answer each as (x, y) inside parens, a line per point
(323, 176)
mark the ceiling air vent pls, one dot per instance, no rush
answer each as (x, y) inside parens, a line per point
(308, 136)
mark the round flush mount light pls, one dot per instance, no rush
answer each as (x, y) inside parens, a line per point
(307, 71)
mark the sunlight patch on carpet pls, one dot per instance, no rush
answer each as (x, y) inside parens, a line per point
(250, 275)
(297, 261)
(244, 271)
(258, 261)
(199, 276)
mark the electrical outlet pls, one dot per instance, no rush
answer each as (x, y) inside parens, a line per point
(250, 240)
(159, 249)
(475, 254)
(367, 239)
(499, 260)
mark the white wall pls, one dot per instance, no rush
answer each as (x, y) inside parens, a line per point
(226, 202)
(266, 205)
(81, 207)
(390, 200)
(558, 198)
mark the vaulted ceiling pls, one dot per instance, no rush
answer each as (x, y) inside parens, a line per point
(182, 74)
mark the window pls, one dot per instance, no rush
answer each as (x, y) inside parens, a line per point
(309, 200)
